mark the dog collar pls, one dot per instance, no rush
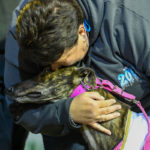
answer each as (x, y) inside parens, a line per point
(83, 88)
(107, 85)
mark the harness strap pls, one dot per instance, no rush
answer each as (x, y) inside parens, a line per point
(118, 146)
(107, 85)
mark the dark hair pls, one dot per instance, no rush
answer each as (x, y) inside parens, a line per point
(47, 27)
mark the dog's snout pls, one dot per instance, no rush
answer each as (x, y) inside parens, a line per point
(34, 94)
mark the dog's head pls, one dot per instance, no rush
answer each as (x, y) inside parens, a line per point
(51, 86)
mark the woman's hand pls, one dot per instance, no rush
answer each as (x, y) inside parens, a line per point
(90, 108)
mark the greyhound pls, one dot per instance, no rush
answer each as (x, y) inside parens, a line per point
(52, 86)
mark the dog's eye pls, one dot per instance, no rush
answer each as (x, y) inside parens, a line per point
(34, 94)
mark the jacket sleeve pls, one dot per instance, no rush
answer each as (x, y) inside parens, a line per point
(51, 119)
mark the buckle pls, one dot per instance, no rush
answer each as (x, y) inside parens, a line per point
(100, 79)
(135, 101)
(119, 92)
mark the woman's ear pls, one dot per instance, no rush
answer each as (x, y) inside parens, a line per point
(82, 32)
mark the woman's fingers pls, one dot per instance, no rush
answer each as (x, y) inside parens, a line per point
(94, 95)
(109, 109)
(100, 128)
(85, 109)
(107, 117)
(106, 103)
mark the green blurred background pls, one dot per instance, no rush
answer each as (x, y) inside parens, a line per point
(34, 142)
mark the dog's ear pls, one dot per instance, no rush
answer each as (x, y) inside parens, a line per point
(90, 78)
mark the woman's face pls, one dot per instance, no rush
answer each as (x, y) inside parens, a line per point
(76, 53)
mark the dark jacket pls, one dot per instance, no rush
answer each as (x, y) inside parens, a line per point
(119, 51)
(120, 44)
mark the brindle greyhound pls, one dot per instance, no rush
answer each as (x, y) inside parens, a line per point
(51, 87)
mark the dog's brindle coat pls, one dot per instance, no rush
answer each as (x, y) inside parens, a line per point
(50, 87)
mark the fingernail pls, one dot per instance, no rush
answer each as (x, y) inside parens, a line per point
(109, 132)
(114, 101)
(119, 106)
(118, 114)
(102, 97)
